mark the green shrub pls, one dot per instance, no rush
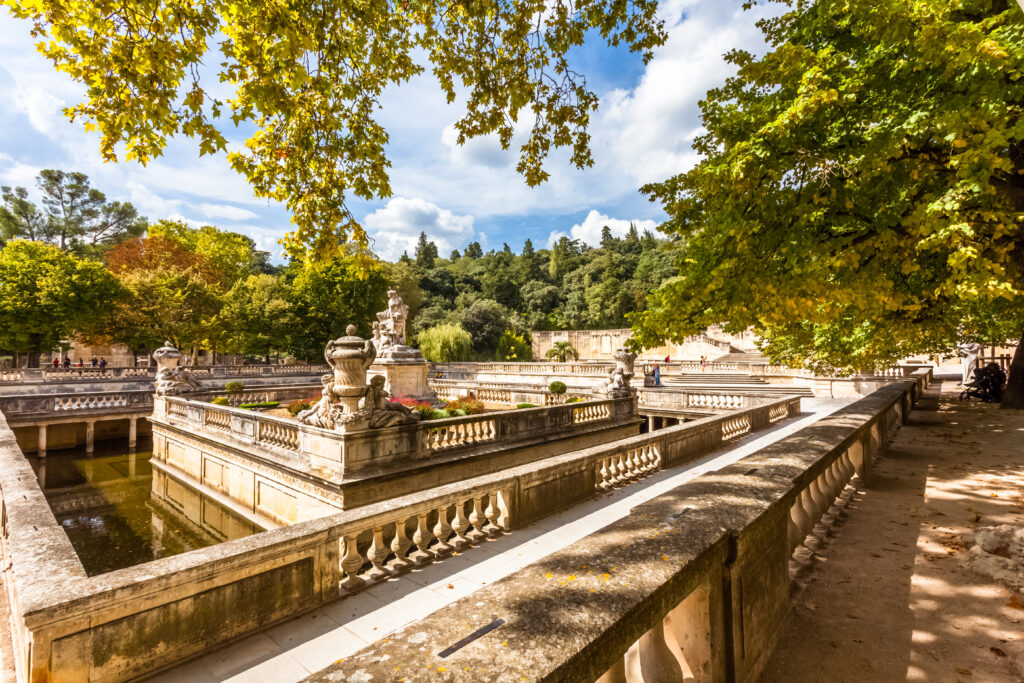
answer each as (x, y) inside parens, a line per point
(445, 343)
(220, 401)
(557, 387)
(261, 404)
(235, 387)
(515, 347)
(298, 407)
(435, 414)
(526, 405)
(468, 406)
(573, 399)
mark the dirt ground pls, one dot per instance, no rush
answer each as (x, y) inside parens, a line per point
(887, 598)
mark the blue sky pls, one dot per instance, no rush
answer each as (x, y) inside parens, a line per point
(642, 132)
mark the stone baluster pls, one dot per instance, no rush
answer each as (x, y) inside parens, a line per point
(351, 563)
(477, 519)
(602, 476)
(491, 528)
(651, 659)
(442, 531)
(400, 546)
(377, 553)
(422, 539)
(459, 525)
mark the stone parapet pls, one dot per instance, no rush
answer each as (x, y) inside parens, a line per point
(135, 621)
(694, 584)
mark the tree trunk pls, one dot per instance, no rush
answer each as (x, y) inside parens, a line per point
(1013, 397)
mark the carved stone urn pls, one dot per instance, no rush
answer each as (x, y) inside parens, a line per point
(350, 356)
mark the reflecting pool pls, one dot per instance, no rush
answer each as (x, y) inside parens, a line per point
(118, 510)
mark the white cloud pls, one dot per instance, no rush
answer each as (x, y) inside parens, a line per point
(589, 230)
(396, 227)
(226, 211)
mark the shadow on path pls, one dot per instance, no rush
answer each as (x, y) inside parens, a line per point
(888, 598)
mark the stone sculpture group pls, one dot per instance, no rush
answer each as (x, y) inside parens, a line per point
(347, 402)
(619, 376)
(172, 380)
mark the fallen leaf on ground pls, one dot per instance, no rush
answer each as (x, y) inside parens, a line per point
(1015, 602)
(963, 672)
(997, 651)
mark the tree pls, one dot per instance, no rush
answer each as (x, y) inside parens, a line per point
(76, 217)
(173, 294)
(309, 78)
(19, 217)
(485, 320)
(426, 252)
(861, 189)
(514, 347)
(331, 295)
(258, 315)
(233, 254)
(563, 351)
(474, 250)
(46, 296)
(445, 344)
(165, 304)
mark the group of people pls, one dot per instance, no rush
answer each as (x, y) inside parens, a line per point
(94, 362)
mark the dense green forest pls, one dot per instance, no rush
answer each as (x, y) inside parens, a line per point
(79, 267)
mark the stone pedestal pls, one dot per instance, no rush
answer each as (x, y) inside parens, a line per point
(405, 375)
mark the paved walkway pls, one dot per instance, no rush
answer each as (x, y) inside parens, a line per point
(293, 650)
(890, 599)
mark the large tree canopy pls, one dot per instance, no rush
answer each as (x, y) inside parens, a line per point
(309, 76)
(861, 187)
(47, 295)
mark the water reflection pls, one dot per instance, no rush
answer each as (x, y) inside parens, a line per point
(119, 512)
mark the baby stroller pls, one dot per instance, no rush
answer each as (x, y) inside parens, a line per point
(987, 385)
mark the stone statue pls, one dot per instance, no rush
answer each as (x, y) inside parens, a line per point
(322, 414)
(172, 380)
(391, 322)
(382, 412)
(618, 384)
(969, 361)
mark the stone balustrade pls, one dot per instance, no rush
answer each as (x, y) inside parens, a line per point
(692, 585)
(102, 627)
(346, 453)
(42, 407)
(666, 399)
(84, 374)
(263, 394)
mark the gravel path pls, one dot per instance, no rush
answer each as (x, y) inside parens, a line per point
(888, 597)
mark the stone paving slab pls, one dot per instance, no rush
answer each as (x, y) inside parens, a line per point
(316, 640)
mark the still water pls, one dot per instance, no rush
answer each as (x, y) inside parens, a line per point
(119, 510)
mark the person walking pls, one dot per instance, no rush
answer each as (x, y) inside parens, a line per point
(67, 362)
(703, 362)
(656, 375)
(79, 362)
(56, 362)
(667, 360)
(103, 363)
(93, 361)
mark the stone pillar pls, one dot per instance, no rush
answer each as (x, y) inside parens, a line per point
(90, 435)
(41, 450)
(132, 431)
(650, 423)
(131, 464)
